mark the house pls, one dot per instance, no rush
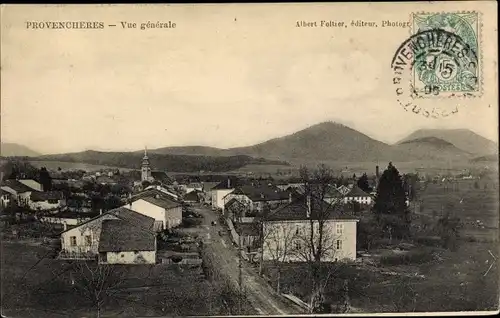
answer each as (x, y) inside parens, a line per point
(249, 234)
(166, 212)
(343, 189)
(19, 191)
(192, 187)
(82, 241)
(163, 190)
(162, 177)
(220, 191)
(41, 201)
(121, 242)
(67, 218)
(259, 197)
(329, 193)
(358, 195)
(194, 196)
(104, 179)
(207, 190)
(5, 198)
(286, 231)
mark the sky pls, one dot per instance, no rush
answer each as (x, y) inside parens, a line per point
(224, 77)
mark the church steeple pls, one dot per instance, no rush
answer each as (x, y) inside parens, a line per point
(145, 168)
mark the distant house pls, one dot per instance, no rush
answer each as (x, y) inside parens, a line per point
(220, 191)
(290, 226)
(104, 179)
(161, 190)
(328, 193)
(256, 198)
(358, 195)
(19, 191)
(67, 218)
(46, 200)
(162, 177)
(166, 212)
(82, 241)
(194, 196)
(192, 187)
(249, 234)
(121, 242)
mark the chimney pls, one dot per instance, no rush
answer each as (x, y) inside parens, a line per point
(228, 183)
(377, 172)
(100, 211)
(157, 196)
(290, 197)
(308, 206)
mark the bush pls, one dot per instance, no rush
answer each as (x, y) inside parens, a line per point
(412, 257)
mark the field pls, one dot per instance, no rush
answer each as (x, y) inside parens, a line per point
(34, 288)
(471, 200)
(54, 165)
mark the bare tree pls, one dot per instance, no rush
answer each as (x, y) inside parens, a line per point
(278, 243)
(96, 282)
(319, 239)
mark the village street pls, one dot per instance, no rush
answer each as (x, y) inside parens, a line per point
(263, 299)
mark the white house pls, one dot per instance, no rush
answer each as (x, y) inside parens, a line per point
(190, 187)
(287, 230)
(163, 190)
(20, 192)
(166, 212)
(121, 242)
(358, 195)
(82, 241)
(219, 192)
(42, 201)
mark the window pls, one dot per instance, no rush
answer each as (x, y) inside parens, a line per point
(88, 240)
(296, 245)
(339, 244)
(297, 230)
(72, 240)
(340, 228)
(53, 201)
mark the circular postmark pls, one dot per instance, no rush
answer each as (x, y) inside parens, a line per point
(434, 63)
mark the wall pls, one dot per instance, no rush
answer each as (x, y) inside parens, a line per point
(218, 197)
(148, 209)
(173, 217)
(130, 257)
(295, 235)
(67, 221)
(92, 228)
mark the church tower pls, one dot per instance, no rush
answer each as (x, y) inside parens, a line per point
(145, 168)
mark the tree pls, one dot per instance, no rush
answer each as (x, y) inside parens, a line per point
(390, 208)
(363, 183)
(318, 239)
(448, 227)
(278, 243)
(96, 282)
(45, 179)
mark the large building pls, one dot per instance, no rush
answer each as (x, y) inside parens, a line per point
(287, 232)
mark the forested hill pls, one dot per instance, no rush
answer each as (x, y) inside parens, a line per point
(178, 163)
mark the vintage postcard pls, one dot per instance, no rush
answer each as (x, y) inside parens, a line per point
(249, 159)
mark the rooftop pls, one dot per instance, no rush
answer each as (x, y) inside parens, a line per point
(161, 202)
(118, 236)
(17, 186)
(297, 210)
(44, 196)
(262, 193)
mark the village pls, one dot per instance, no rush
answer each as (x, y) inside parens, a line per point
(251, 235)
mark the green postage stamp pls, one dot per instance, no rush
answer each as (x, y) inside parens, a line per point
(447, 60)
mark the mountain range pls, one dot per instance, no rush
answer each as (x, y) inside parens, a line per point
(337, 142)
(13, 149)
(325, 141)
